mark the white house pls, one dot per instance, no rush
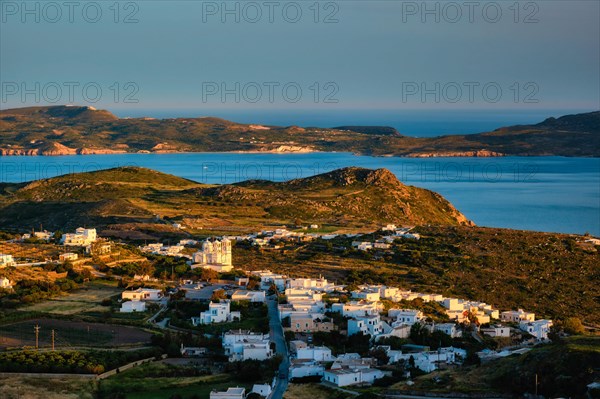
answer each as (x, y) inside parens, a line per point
(449, 329)
(262, 389)
(300, 368)
(192, 351)
(81, 237)
(496, 331)
(400, 331)
(252, 296)
(67, 256)
(367, 294)
(517, 316)
(5, 283)
(217, 313)
(356, 309)
(133, 306)
(231, 393)
(316, 353)
(143, 294)
(406, 316)
(243, 345)
(538, 328)
(6, 260)
(320, 284)
(267, 278)
(368, 325)
(345, 377)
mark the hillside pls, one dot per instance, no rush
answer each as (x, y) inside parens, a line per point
(349, 197)
(564, 369)
(547, 273)
(66, 130)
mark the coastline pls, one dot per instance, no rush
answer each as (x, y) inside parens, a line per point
(97, 151)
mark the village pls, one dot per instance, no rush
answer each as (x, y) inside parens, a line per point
(319, 331)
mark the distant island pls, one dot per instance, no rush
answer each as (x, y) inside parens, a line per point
(71, 130)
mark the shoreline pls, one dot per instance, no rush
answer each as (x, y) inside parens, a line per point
(458, 154)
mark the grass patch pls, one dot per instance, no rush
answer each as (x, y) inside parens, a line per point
(143, 383)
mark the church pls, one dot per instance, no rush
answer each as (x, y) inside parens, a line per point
(215, 255)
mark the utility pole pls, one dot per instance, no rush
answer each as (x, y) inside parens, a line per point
(52, 340)
(37, 335)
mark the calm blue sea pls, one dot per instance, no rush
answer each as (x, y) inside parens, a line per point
(553, 194)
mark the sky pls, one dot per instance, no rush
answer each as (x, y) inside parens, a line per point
(343, 57)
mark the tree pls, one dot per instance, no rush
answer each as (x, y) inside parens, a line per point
(217, 295)
(380, 355)
(208, 274)
(573, 326)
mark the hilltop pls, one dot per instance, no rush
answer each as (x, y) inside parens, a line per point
(67, 130)
(349, 197)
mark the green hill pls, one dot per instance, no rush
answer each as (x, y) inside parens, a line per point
(347, 197)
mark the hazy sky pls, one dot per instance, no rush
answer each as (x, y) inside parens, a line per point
(350, 55)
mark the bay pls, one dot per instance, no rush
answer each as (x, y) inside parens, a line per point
(554, 194)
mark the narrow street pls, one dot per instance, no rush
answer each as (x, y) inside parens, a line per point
(277, 336)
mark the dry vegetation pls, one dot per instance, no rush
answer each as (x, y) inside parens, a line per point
(314, 391)
(55, 388)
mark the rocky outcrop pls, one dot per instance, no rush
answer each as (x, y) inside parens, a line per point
(56, 149)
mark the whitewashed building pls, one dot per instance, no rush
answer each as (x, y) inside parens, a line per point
(517, 316)
(538, 328)
(300, 368)
(251, 296)
(242, 345)
(496, 331)
(231, 393)
(406, 316)
(357, 309)
(81, 237)
(449, 329)
(6, 260)
(368, 325)
(143, 294)
(346, 377)
(5, 283)
(68, 256)
(262, 389)
(215, 255)
(133, 306)
(217, 313)
(316, 353)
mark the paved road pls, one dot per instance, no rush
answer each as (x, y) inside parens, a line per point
(276, 331)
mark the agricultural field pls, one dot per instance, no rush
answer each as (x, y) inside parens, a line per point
(70, 334)
(87, 299)
(17, 387)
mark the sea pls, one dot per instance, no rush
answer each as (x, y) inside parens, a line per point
(551, 194)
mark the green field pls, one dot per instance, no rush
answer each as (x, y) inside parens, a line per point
(146, 382)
